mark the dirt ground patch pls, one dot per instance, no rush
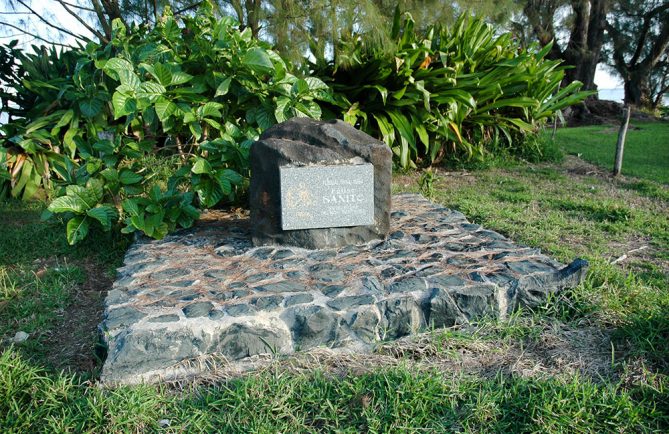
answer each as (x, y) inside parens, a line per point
(72, 343)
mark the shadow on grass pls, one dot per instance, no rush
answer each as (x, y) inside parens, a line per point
(647, 334)
(26, 238)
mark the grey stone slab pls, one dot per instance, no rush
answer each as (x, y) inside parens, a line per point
(195, 310)
(348, 296)
(326, 196)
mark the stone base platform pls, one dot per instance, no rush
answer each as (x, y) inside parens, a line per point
(207, 292)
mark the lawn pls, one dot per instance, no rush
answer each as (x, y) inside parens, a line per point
(593, 359)
(646, 147)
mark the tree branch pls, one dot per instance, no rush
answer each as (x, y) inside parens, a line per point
(647, 22)
(188, 8)
(25, 32)
(45, 21)
(618, 59)
(83, 8)
(81, 20)
(101, 18)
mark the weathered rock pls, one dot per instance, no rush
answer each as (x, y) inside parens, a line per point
(443, 311)
(476, 301)
(271, 302)
(239, 341)
(198, 309)
(365, 324)
(303, 142)
(165, 318)
(239, 309)
(400, 316)
(122, 316)
(284, 286)
(20, 336)
(342, 303)
(299, 299)
(312, 326)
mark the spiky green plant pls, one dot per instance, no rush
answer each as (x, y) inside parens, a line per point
(463, 91)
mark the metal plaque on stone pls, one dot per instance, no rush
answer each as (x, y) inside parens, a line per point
(327, 196)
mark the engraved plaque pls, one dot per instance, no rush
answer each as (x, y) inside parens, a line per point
(327, 196)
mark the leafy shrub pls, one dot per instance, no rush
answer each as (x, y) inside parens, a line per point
(197, 87)
(461, 91)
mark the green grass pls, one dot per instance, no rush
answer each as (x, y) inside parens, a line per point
(546, 206)
(40, 272)
(582, 216)
(646, 153)
(386, 400)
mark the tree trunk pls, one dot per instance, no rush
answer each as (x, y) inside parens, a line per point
(586, 40)
(586, 36)
(637, 92)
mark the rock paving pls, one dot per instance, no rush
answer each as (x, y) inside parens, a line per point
(207, 291)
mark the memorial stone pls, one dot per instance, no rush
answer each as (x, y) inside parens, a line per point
(317, 184)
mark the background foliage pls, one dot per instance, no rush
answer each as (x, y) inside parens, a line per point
(199, 90)
(462, 91)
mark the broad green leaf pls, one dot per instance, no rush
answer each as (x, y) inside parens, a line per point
(118, 28)
(123, 105)
(213, 123)
(195, 129)
(77, 229)
(129, 79)
(224, 183)
(72, 204)
(150, 90)
(170, 30)
(114, 65)
(68, 139)
(180, 77)
(521, 124)
(234, 177)
(223, 88)
(37, 124)
(110, 174)
(316, 83)
(258, 61)
(209, 192)
(403, 126)
(131, 207)
(105, 214)
(191, 212)
(307, 110)
(164, 109)
(422, 134)
(90, 107)
(67, 117)
(300, 87)
(163, 74)
(264, 117)
(280, 112)
(210, 109)
(383, 91)
(128, 177)
(160, 231)
(94, 191)
(201, 166)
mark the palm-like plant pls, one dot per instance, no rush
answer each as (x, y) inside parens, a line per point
(463, 90)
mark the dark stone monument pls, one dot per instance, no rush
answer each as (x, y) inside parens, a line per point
(317, 184)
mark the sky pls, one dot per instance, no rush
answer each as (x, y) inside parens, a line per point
(49, 8)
